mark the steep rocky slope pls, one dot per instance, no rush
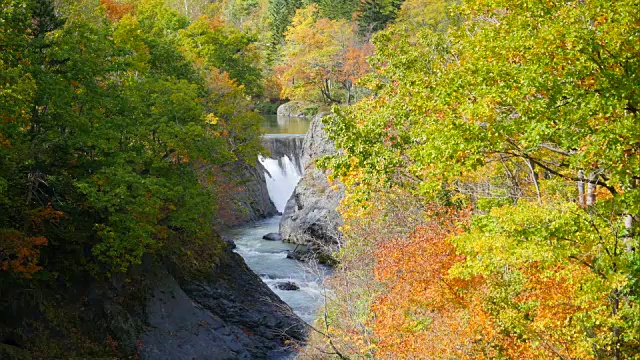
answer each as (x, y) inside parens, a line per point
(154, 312)
(310, 216)
(244, 194)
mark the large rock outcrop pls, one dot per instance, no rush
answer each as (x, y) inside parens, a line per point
(294, 109)
(155, 312)
(300, 109)
(245, 195)
(310, 216)
(230, 314)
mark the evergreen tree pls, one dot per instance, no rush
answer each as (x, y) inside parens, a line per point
(338, 9)
(374, 15)
(281, 12)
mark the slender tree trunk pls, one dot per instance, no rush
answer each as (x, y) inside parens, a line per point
(614, 299)
(581, 198)
(591, 188)
(534, 177)
(515, 191)
(628, 236)
(629, 243)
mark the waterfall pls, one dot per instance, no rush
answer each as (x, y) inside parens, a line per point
(283, 168)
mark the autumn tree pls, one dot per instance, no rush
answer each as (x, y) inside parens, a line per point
(107, 124)
(321, 57)
(208, 40)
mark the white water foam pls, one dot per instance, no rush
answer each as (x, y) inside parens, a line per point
(282, 176)
(268, 259)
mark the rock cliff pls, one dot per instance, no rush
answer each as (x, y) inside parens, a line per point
(245, 195)
(155, 312)
(230, 314)
(310, 216)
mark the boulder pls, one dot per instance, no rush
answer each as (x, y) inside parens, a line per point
(299, 255)
(287, 285)
(297, 109)
(273, 237)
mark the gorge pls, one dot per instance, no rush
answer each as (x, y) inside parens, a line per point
(271, 260)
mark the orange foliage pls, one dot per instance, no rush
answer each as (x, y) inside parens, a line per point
(19, 253)
(424, 313)
(355, 62)
(548, 331)
(115, 10)
(219, 81)
(321, 55)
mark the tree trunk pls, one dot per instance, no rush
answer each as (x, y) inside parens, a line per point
(186, 9)
(581, 198)
(534, 177)
(591, 188)
(628, 233)
(628, 220)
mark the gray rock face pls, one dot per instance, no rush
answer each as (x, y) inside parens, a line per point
(295, 109)
(182, 329)
(156, 312)
(310, 216)
(246, 196)
(231, 314)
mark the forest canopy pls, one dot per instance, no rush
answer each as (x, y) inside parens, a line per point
(489, 151)
(492, 187)
(114, 115)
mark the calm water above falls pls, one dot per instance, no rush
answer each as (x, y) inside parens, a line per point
(274, 124)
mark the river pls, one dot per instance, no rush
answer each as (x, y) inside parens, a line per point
(274, 124)
(267, 258)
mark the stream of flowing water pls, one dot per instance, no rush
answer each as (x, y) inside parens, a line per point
(267, 258)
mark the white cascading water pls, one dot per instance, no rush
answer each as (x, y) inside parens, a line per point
(282, 177)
